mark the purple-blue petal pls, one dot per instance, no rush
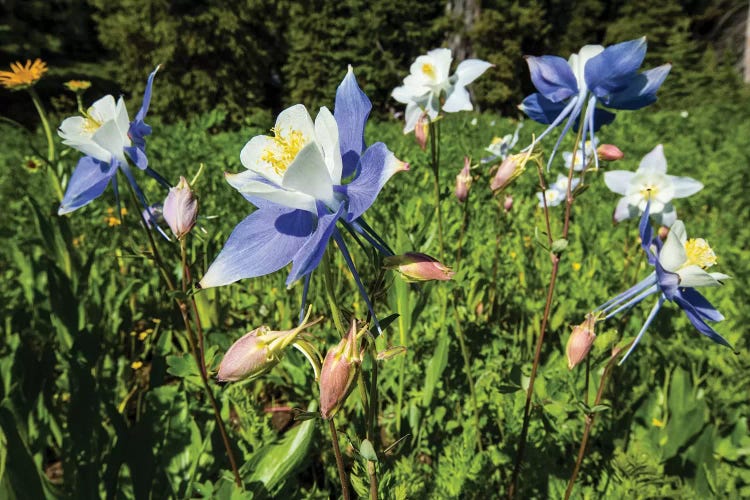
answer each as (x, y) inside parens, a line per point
(351, 109)
(309, 255)
(541, 109)
(138, 130)
(138, 157)
(703, 307)
(264, 242)
(612, 70)
(363, 190)
(647, 234)
(88, 181)
(696, 319)
(641, 90)
(602, 117)
(552, 77)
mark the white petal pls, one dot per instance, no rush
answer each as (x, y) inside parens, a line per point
(405, 94)
(678, 228)
(623, 210)
(471, 69)
(458, 100)
(693, 276)
(121, 118)
(308, 174)
(327, 134)
(685, 186)
(412, 114)
(111, 139)
(247, 183)
(296, 118)
(72, 128)
(654, 161)
(251, 157)
(103, 109)
(441, 58)
(618, 180)
(668, 216)
(672, 254)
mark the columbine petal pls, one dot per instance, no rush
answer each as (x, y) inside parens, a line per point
(458, 99)
(309, 255)
(378, 165)
(469, 70)
(685, 186)
(109, 138)
(552, 77)
(612, 70)
(701, 305)
(262, 243)
(255, 188)
(412, 114)
(351, 109)
(624, 210)
(673, 254)
(668, 215)
(327, 134)
(296, 118)
(308, 174)
(654, 161)
(641, 91)
(696, 319)
(88, 181)
(693, 276)
(541, 109)
(618, 181)
(138, 128)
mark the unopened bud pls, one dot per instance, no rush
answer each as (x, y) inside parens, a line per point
(609, 152)
(463, 181)
(508, 203)
(422, 130)
(418, 267)
(509, 169)
(340, 370)
(180, 208)
(663, 232)
(257, 352)
(580, 341)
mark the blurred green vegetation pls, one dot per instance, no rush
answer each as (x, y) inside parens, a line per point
(82, 304)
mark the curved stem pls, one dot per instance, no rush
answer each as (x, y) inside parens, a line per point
(339, 460)
(435, 165)
(53, 178)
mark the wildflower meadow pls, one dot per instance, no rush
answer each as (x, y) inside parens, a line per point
(256, 251)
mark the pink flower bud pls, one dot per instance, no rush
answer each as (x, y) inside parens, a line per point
(340, 370)
(580, 341)
(508, 203)
(509, 169)
(257, 352)
(463, 181)
(609, 152)
(663, 232)
(180, 208)
(418, 267)
(422, 130)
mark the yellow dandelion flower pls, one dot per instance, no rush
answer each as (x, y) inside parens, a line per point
(112, 221)
(576, 266)
(77, 85)
(136, 365)
(22, 76)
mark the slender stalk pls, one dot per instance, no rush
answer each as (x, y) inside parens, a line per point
(372, 420)
(339, 460)
(435, 165)
(191, 338)
(547, 310)
(590, 423)
(467, 371)
(330, 295)
(53, 178)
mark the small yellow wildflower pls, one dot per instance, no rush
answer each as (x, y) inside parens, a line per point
(78, 240)
(576, 266)
(22, 76)
(136, 365)
(657, 423)
(77, 85)
(112, 221)
(145, 333)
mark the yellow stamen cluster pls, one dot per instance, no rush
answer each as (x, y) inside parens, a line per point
(648, 191)
(90, 124)
(22, 76)
(284, 149)
(428, 69)
(699, 253)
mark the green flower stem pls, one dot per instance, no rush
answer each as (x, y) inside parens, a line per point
(555, 258)
(467, 371)
(330, 295)
(54, 180)
(339, 460)
(191, 338)
(435, 165)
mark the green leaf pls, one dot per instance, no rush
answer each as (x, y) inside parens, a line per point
(435, 369)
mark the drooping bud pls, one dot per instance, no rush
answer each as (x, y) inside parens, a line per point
(508, 203)
(609, 152)
(509, 169)
(463, 181)
(422, 130)
(418, 267)
(180, 208)
(340, 370)
(580, 341)
(257, 352)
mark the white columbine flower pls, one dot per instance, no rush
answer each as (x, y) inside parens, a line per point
(557, 192)
(689, 258)
(588, 153)
(430, 78)
(650, 181)
(102, 132)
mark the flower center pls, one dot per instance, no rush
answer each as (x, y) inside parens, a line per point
(649, 191)
(284, 150)
(429, 70)
(90, 124)
(699, 253)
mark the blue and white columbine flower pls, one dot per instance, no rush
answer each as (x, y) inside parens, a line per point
(556, 193)
(295, 178)
(430, 78)
(596, 75)
(500, 147)
(109, 139)
(680, 266)
(649, 182)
